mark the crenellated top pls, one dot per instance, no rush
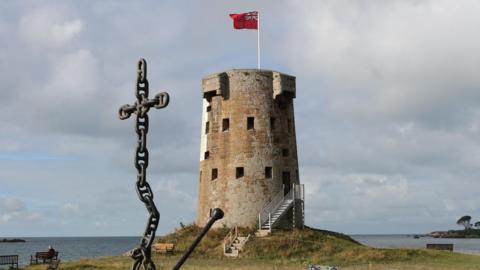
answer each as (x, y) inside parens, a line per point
(218, 84)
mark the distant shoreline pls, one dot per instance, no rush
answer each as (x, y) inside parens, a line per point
(5, 240)
(470, 233)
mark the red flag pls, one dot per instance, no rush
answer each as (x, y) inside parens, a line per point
(247, 20)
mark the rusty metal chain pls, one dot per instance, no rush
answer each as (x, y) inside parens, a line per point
(142, 255)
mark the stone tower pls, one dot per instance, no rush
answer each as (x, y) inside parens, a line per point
(248, 152)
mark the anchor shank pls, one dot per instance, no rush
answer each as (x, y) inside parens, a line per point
(142, 255)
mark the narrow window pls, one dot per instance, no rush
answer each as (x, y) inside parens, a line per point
(268, 172)
(239, 172)
(285, 152)
(272, 123)
(289, 125)
(225, 124)
(296, 173)
(210, 214)
(206, 155)
(200, 177)
(209, 108)
(214, 174)
(250, 122)
(207, 127)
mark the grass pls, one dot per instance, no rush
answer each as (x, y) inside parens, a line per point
(287, 250)
(445, 261)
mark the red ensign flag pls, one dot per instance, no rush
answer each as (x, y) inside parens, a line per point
(247, 20)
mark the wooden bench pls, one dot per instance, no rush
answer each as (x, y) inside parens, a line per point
(448, 247)
(166, 248)
(11, 260)
(42, 257)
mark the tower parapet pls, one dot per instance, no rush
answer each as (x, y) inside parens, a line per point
(248, 145)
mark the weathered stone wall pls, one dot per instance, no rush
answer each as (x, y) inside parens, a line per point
(237, 95)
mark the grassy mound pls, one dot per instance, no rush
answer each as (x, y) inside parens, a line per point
(212, 244)
(290, 246)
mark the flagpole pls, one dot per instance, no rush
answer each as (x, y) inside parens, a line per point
(258, 40)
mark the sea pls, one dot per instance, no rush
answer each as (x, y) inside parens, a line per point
(70, 248)
(74, 248)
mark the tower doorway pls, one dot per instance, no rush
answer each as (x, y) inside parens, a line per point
(287, 185)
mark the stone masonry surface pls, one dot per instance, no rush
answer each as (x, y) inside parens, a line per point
(248, 149)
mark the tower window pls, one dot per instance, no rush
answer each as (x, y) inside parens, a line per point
(250, 122)
(209, 108)
(268, 172)
(200, 177)
(272, 123)
(225, 124)
(239, 172)
(207, 127)
(206, 155)
(285, 152)
(289, 123)
(214, 174)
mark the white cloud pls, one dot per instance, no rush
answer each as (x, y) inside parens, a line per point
(171, 191)
(49, 27)
(386, 108)
(70, 208)
(63, 32)
(13, 210)
(4, 218)
(11, 205)
(397, 59)
(73, 77)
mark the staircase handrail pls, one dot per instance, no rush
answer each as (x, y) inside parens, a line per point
(231, 236)
(263, 215)
(277, 200)
(299, 192)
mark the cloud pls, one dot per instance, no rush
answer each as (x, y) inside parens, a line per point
(172, 191)
(70, 208)
(13, 210)
(397, 60)
(387, 114)
(4, 218)
(394, 90)
(50, 27)
(74, 76)
(11, 205)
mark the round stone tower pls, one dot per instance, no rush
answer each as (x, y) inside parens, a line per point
(248, 152)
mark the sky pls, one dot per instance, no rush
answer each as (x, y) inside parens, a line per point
(387, 109)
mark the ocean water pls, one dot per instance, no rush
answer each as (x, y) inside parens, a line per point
(471, 246)
(70, 248)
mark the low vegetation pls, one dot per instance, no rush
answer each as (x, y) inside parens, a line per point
(288, 250)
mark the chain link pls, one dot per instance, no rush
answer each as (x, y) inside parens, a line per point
(142, 255)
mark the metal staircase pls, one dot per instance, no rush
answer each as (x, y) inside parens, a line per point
(278, 207)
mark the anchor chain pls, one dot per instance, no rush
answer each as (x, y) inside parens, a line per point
(142, 254)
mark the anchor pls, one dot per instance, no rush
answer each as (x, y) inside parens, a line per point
(142, 255)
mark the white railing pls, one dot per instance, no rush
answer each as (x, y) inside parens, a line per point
(299, 192)
(228, 240)
(265, 216)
